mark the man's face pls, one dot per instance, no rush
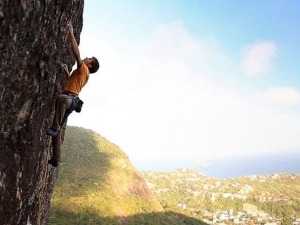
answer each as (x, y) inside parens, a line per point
(87, 61)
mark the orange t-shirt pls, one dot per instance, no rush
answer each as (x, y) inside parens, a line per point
(78, 79)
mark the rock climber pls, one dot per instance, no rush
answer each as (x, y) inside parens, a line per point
(69, 100)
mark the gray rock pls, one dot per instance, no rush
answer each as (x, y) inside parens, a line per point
(33, 44)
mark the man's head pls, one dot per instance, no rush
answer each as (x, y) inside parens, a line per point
(92, 64)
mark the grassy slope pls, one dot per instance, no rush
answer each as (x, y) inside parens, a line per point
(98, 185)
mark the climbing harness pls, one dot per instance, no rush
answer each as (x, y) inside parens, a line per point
(75, 105)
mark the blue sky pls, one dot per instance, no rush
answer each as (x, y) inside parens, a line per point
(193, 80)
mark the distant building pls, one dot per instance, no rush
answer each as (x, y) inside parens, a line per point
(227, 195)
(181, 205)
(249, 208)
(213, 197)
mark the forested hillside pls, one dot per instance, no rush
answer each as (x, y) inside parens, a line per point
(97, 184)
(254, 199)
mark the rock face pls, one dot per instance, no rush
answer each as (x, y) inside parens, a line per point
(33, 44)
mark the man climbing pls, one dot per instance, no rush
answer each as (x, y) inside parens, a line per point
(68, 100)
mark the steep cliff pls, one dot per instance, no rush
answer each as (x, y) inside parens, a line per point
(33, 44)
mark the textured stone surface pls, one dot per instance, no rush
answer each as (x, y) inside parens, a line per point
(33, 44)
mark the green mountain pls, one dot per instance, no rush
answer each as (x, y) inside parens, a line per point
(97, 184)
(266, 198)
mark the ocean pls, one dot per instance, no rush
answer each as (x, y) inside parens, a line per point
(233, 167)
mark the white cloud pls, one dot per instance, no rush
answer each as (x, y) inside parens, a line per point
(257, 59)
(283, 95)
(162, 97)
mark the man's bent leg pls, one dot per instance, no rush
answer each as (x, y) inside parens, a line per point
(56, 146)
(63, 103)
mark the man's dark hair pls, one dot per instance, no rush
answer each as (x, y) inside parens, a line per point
(95, 65)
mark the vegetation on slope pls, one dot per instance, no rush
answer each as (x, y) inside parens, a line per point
(188, 192)
(98, 185)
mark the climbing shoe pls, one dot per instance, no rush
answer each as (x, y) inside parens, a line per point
(53, 162)
(51, 132)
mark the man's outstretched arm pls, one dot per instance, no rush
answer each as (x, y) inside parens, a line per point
(74, 45)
